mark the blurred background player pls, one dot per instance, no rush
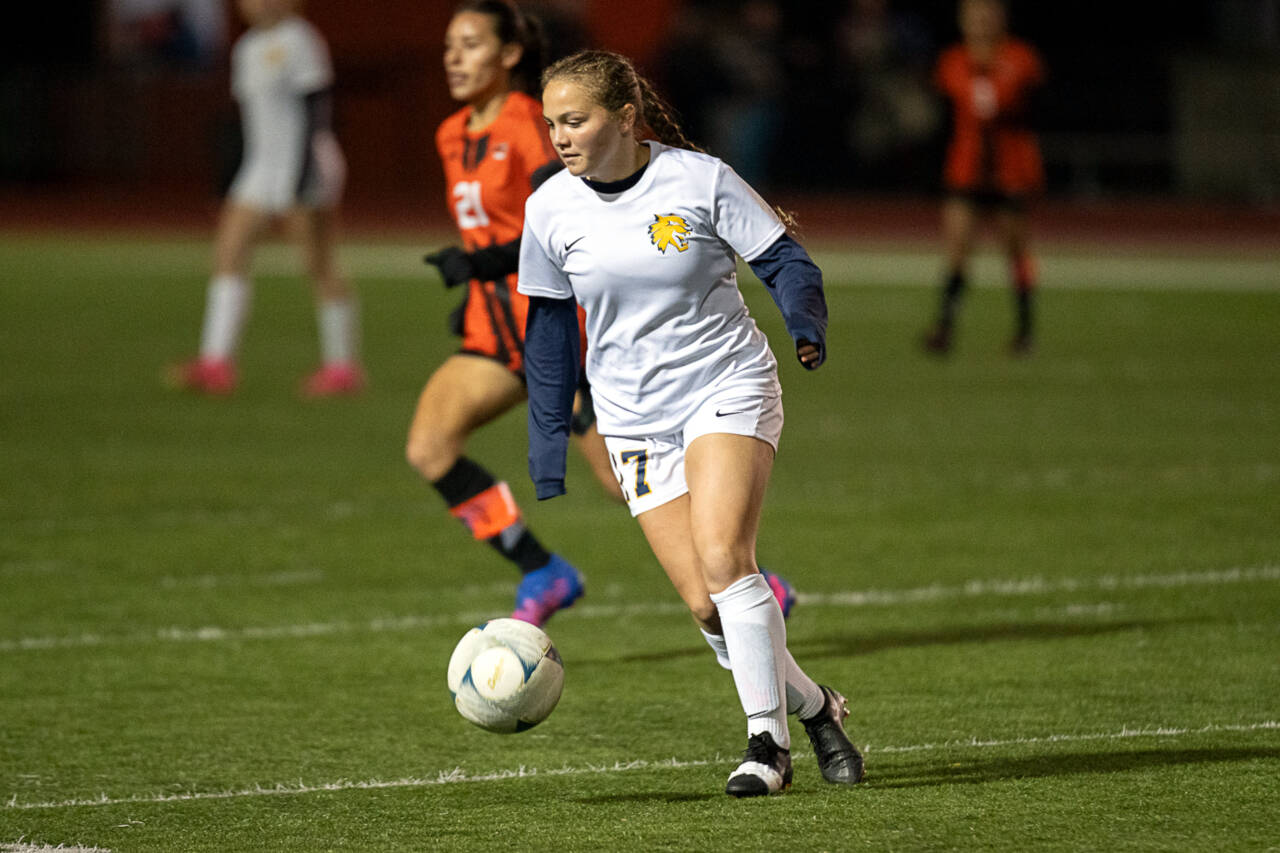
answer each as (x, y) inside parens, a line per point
(493, 151)
(993, 160)
(292, 169)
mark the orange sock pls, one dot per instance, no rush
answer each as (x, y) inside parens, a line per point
(488, 513)
(1024, 273)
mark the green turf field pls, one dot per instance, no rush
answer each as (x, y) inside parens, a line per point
(1050, 587)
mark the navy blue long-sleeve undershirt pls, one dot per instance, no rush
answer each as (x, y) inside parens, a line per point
(552, 352)
(795, 283)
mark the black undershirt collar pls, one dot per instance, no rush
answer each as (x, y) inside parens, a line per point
(618, 186)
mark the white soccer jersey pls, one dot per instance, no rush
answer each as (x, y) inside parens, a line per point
(273, 69)
(654, 268)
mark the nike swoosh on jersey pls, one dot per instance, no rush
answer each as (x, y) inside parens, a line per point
(570, 245)
(720, 414)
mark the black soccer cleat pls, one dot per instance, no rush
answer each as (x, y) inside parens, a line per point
(765, 769)
(838, 759)
(938, 340)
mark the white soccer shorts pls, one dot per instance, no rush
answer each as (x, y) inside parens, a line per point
(275, 186)
(651, 470)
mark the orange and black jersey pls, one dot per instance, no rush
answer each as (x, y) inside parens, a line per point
(992, 147)
(488, 175)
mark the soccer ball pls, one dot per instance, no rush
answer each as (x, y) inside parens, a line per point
(505, 676)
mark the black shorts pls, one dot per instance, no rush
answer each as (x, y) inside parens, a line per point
(990, 201)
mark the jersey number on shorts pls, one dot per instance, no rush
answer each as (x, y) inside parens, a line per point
(467, 205)
(641, 458)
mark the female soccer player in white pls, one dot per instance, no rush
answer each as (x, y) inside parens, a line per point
(644, 236)
(293, 169)
(494, 151)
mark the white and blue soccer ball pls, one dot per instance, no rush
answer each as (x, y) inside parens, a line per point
(505, 675)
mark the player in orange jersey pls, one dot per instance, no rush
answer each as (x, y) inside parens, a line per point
(993, 159)
(493, 150)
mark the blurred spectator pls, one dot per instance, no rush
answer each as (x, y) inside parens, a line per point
(993, 160)
(725, 72)
(685, 73)
(562, 26)
(883, 58)
(188, 33)
(746, 116)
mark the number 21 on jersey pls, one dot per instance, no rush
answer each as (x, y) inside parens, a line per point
(467, 205)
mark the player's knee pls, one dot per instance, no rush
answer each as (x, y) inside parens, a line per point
(329, 286)
(429, 456)
(724, 561)
(705, 614)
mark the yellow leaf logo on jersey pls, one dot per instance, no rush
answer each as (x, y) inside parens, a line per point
(669, 230)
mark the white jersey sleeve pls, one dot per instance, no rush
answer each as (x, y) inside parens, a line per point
(309, 66)
(541, 269)
(741, 217)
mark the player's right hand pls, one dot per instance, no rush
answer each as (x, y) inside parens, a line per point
(811, 354)
(454, 265)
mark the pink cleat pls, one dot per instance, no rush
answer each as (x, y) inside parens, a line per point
(782, 590)
(215, 377)
(334, 380)
(543, 591)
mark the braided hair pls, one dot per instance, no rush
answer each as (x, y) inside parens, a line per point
(613, 82)
(513, 26)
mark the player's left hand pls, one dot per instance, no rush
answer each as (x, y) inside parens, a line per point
(811, 355)
(454, 265)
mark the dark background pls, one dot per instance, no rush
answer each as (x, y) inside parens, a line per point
(1177, 100)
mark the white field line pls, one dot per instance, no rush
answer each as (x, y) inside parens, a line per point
(290, 578)
(459, 775)
(20, 847)
(1068, 271)
(972, 589)
(1062, 266)
(911, 267)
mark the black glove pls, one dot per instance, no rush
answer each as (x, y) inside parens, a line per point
(454, 264)
(815, 362)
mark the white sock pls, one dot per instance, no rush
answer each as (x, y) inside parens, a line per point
(717, 644)
(756, 639)
(337, 319)
(226, 310)
(804, 696)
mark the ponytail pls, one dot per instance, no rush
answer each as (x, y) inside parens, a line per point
(613, 82)
(527, 74)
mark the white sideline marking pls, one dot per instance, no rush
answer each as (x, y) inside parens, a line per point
(1063, 265)
(458, 775)
(977, 588)
(1040, 586)
(1064, 270)
(20, 847)
(1125, 732)
(293, 578)
(910, 266)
